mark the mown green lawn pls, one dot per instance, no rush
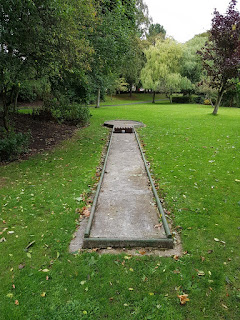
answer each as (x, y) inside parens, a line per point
(194, 158)
(124, 98)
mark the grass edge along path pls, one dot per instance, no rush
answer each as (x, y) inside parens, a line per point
(195, 172)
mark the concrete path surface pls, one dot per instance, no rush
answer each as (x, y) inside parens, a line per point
(126, 208)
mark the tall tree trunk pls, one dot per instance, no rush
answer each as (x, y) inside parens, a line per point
(130, 93)
(98, 98)
(15, 102)
(217, 104)
(154, 94)
(5, 111)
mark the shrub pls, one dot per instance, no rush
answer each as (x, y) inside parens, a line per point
(207, 102)
(27, 93)
(12, 145)
(184, 99)
(74, 114)
(62, 111)
(30, 90)
(199, 100)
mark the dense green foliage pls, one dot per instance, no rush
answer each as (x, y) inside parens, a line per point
(77, 47)
(162, 69)
(12, 145)
(194, 160)
(63, 112)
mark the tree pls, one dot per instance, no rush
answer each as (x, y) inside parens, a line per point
(111, 38)
(142, 18)
(156, 32)
(37, 38)
(221, 54)
(191, 66)
(162, 69)
(133, 62)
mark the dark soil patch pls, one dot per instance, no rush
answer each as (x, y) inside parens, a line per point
(44, 134)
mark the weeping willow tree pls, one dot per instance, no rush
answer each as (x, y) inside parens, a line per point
(162, 69)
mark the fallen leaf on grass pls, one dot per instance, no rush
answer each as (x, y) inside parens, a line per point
(3, 231)
(10, 295)
(43, 294)
(3, 240)
(224, 306)
(183, 298)
(79, 199)
(216, 239)
(16, 302)
(176, 271)
(237, 180)
(130, 289)
(142, 252)
(201, 273)
(144, 278)
(21, 266)
(175, 257)
(29, 245)
(45, 270)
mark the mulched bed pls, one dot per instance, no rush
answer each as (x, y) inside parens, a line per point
(45, 134)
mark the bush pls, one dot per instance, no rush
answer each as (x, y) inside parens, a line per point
(74, 114)
(64, 112)
(199, 100)
(27, 93)
(207, 102)
(30, 90)
(184, 99)
(13, 145)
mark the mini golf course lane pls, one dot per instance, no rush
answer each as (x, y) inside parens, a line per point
(126, 214)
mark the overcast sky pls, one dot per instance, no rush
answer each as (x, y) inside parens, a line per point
(183, 19)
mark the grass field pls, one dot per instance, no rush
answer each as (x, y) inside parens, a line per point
(194, 158)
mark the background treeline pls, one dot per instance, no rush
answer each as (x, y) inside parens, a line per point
(70, 53)
(63, 51)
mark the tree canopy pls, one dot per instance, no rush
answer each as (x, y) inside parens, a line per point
(221, 54)
(162, 69)
(78, 45)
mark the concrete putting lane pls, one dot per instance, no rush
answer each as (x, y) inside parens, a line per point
(126, 207)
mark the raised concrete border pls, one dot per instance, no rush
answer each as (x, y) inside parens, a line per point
(93, 242)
